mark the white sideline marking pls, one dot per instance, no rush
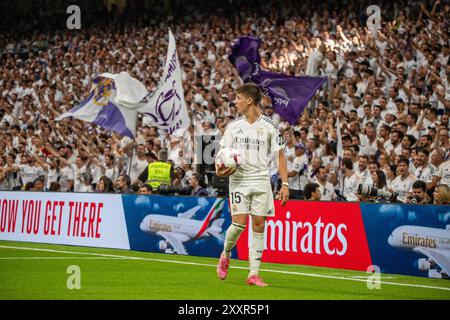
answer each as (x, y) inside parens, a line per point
(365, 277)
(213, 265)
(60, 258)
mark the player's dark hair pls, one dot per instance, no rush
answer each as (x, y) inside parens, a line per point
(252, 91)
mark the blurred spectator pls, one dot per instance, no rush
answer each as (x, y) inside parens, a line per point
(351, 181)
(312, 192)
(379, 180)
(38, 184)
(123, 184)
(105, 185)
(196, 187)
(86, 183)
(54, 187)
(419, 194)
(442, 194)
(145, 189)
(297, 165)
(326, 189)
(403, 183)
(389, 89)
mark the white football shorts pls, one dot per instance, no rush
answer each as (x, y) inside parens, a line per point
(251, 199)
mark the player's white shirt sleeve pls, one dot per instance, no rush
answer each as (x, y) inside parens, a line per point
(276, 140)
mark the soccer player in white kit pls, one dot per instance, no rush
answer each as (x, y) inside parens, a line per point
(256, 137)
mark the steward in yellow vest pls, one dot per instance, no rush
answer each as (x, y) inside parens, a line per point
(158, 172)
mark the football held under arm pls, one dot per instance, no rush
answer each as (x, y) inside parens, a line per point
(225, 142)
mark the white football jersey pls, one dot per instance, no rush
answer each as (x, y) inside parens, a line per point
(256, 143)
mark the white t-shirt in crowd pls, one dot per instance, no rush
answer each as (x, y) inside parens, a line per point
(112, 173)
(403, 186)
(351, 187)
(77, 174)
(327, 192)
(29, 173)
(443, 172)
(366, 177)
(299, 165)
(423, 173)
(85, 188)
(51, 176)
(66, 176)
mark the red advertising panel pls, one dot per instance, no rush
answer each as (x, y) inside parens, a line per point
(326, 234)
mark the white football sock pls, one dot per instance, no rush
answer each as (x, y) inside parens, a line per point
(231, 237)
(255, 252)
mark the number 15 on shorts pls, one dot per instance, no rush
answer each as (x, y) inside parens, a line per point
(236, 201)
(235, 197)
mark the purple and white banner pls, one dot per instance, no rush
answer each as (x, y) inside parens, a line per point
(289, 94)
(101, 108)
(166, 106)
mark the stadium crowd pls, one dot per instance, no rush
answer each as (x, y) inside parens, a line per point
(389, 89)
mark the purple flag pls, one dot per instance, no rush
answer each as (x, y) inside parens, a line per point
(289, 94)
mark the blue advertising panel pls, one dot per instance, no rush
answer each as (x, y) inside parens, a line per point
(398, 238)
(409, 239)
(177, 224)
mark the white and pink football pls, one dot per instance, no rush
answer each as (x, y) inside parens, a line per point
(228, 158)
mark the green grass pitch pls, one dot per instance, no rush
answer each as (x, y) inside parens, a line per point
(39, 271)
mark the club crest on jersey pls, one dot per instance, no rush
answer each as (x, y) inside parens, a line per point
(259, 131)
(234, 207)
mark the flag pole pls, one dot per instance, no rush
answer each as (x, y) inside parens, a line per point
(340, 155)
(131, 160)
(134, 146)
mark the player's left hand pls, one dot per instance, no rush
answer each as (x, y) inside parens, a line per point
(283, 195)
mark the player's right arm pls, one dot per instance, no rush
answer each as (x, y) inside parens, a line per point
(277, 147)
(224, 172)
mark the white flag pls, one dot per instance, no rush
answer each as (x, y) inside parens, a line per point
(166, 106)
(130, 91)
(101, 108)
(339, 149)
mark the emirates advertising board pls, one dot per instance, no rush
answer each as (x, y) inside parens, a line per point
(397, 238)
